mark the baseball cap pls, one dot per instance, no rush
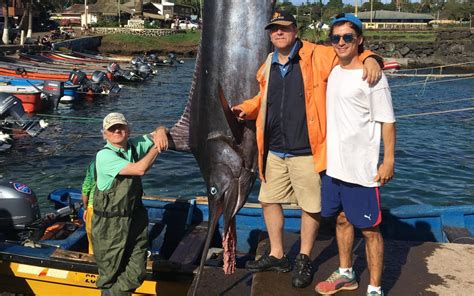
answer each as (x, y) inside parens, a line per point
(282, 18)
(347, 17)
(113, 118)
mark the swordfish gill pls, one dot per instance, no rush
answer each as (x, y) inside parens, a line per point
(233, 46)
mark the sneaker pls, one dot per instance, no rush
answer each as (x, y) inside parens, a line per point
(373, 293)
(303, 272)
(337, 282)
(269, 263)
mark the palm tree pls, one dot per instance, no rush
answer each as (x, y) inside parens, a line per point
(5, 21)
(26, 14)
(30, 19)
(138, 9)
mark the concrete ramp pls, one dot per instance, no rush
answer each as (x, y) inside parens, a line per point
(411, 268)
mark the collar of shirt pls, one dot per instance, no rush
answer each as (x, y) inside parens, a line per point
(115, 149)
(286, 68)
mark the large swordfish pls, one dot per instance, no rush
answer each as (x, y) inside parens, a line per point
(233, 46)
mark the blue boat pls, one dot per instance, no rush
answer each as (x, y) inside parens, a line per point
(177, 230)
(70, 91)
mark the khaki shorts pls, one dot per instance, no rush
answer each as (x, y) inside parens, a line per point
(292, 180)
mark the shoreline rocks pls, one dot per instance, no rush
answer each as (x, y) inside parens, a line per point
(450, 47)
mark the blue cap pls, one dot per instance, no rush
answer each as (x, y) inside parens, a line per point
(347, 17)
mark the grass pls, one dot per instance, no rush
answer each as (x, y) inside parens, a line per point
(186, 42)
(183, 43)
(401, 36)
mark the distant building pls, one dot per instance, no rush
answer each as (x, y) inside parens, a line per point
(384, 19)
(159, 10)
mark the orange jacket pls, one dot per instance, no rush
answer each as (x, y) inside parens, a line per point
(316, 63)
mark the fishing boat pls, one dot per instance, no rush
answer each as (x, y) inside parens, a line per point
(177, 231)
(70, 93)
(31, 73)
(29, 95)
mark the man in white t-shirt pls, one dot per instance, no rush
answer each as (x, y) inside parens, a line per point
(358, 116)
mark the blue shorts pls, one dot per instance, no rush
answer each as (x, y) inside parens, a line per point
(360, 204)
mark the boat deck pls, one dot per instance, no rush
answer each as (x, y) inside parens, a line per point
(411, 268)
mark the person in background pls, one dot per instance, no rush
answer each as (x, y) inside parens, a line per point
(119, 224)
(290, 119)
(88, 190)
(358, 116)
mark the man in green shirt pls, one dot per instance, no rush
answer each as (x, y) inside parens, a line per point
(119, 224)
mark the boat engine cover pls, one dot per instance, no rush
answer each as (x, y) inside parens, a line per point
(98, 76)
(18, 205)
(77, 77)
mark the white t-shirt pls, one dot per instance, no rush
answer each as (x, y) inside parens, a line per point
(354, 115)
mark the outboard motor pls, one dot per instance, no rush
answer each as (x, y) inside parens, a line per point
(77, 77)
(113, 67)
(152, 58)
(18, 206)
(11, 108)
(173, 59)
(117, 74)
(54, 90)
(101, 83)
(144, 71)
(136, 61)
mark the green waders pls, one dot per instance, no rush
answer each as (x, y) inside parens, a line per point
(119, 235)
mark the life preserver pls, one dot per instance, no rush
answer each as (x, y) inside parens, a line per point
(54, 231)
(391, 65)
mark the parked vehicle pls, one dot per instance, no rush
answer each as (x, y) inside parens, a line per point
(185, 25)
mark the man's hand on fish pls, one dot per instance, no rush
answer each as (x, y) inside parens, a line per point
(372, 71)
(239, 113)
(160, 139)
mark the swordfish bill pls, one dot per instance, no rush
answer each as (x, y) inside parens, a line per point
(233, 46)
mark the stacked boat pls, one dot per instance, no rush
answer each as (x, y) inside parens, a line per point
(38, 81)
(84, 75)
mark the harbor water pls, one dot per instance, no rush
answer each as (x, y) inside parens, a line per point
(434, 152)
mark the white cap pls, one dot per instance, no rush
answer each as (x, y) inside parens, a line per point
(112, 119)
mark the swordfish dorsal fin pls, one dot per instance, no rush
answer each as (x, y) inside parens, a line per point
(178, 136)
(236, 128)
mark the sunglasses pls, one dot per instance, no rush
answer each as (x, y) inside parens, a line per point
(348, 38)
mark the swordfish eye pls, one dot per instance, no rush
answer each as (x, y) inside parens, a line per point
(213, 190)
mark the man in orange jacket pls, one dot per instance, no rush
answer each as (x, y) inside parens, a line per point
(290, 114)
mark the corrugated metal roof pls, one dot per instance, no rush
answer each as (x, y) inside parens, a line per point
(387, 15)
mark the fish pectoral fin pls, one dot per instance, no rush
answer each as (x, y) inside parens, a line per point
(236, 128)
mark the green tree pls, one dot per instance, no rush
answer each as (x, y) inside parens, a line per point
(376, 5)
(457, 11)
(335, 4)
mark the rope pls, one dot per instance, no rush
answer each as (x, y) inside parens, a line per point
(435, 103)
(70, 117)
(430, 75)
(436, 67)
(427, 82)
(435, 112)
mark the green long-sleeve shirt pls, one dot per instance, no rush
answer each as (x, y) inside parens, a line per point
(88, 186)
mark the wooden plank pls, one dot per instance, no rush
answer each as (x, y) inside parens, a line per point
(73, 256)
(215, 282)
(190, 247)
